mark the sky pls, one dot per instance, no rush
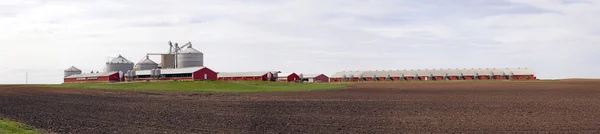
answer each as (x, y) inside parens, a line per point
(555, 38)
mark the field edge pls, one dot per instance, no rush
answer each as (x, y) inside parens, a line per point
(12, 127)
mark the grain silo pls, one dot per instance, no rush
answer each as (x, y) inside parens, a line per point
(167, 60)
(146, 64)
(190, 57)
(72, 71)
(119, 64)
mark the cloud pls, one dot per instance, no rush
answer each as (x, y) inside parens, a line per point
(557, 38)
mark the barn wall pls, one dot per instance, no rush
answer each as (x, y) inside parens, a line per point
(199, 75)
(321, 78)
(110, 78)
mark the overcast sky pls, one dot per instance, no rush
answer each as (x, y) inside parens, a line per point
(556, 38)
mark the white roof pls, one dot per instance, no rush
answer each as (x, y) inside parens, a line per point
(72, 69)
(242, 74)
(171, 71)
(437, 72)
(120, 59)
(190, 50)
(311, 75)
(91, 75)
(285, 74)
(347, 74)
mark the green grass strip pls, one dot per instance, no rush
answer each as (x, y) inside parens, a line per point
(207, 86)
(11, 127)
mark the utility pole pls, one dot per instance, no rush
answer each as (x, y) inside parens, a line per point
(26, 80)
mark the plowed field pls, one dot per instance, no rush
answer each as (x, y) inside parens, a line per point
(419, 107)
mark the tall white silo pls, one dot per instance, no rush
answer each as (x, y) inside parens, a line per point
(190, 57)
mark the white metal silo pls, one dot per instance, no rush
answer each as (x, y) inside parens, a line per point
(152, 73)
(157, 72)
(72, 71)
(133, 74)
(190, 57)
(119, 64)
(146, 64)
(374, 78)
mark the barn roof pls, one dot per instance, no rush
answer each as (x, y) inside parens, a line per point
(437, 72)
(92, 75)
(171, 71)
(285, 74)
(347, 74)
(242, 74)
(311, 75)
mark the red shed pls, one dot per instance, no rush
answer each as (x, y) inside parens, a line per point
(180, 74)
(315, 78)
(288, 77)
(93, 77)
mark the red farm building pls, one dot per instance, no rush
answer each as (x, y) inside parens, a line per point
(103, 77)
(288, 77)
(178, 74)
(315, 78)
(436, 75)
(248, 76)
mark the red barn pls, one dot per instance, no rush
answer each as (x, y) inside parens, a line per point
(246, 76)
(180, 74)
(288, 77)
(93, 77)
(315, 78)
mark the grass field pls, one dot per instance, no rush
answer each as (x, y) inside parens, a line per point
(207, 86)
(11, 127)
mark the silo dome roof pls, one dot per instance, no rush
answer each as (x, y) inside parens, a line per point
(120, 59)
(190, 50)
(72, 69)
(147, 62)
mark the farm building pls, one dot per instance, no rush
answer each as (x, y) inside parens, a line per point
(288, 77)
(177, 74)
(315, 78)
(93, 77)
(248, 76)
(442, 74)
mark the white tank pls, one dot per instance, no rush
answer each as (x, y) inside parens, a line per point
(119, 64)
(157, 72)
(190, 57)
(121, 76)
(146, 64)
(128, 74)
(133, 75)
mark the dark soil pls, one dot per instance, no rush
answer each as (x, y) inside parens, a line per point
(452, 107)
